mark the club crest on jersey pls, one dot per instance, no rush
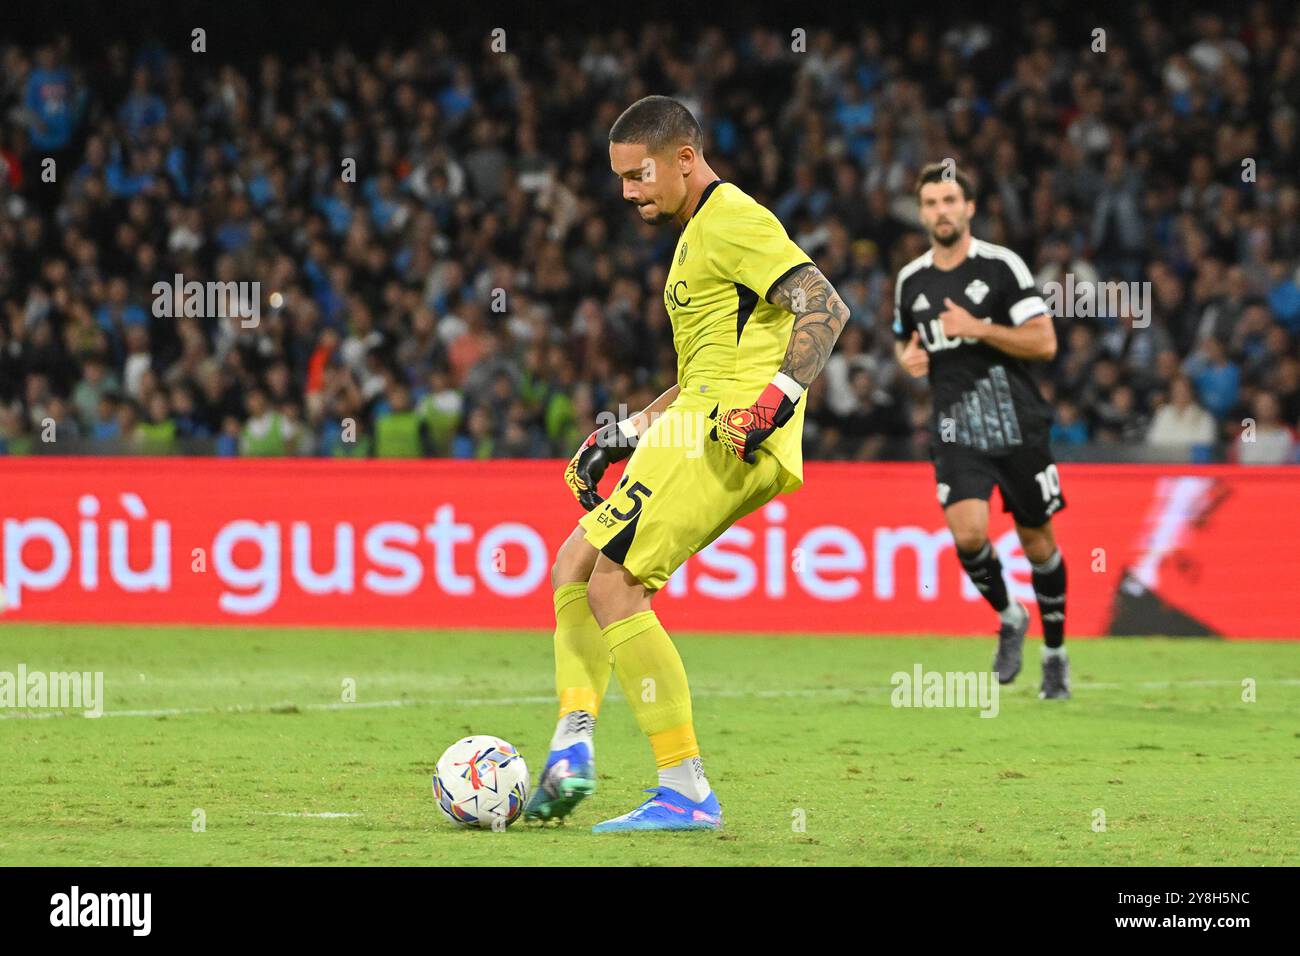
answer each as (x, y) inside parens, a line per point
(976, 291)
(681, 256)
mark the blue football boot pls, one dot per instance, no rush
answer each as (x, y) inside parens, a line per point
(667, 810)
(568, 777)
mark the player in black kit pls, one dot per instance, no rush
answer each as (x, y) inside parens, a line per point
(968, 314)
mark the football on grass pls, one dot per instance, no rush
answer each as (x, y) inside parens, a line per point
(481, 781)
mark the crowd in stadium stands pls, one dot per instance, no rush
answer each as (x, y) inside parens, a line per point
(481, 290)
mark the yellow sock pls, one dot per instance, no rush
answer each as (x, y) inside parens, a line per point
(582, 658)
(653, 679)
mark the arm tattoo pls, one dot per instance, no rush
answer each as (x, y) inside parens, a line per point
(819, 317)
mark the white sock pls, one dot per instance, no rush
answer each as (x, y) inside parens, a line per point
(1013, 613)
(1053, 651)
(687, 778)
(575, 727)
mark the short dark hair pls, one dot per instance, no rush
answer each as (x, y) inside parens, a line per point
(938, 173)
(657, 122)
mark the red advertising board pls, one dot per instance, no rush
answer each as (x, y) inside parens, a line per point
(861, 549)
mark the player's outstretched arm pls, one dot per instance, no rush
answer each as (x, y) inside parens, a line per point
(608, 444)
(819, 317)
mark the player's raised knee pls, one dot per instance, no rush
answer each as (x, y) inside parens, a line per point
(970, 540)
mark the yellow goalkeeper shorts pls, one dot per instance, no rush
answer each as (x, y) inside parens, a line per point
(679, 492)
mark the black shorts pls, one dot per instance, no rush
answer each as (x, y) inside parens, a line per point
(1027, 478)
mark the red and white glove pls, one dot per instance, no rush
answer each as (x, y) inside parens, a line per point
(742, 430)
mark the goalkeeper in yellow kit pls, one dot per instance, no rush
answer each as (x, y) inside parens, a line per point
(754, 322)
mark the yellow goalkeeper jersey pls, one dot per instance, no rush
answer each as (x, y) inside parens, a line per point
(730, 339)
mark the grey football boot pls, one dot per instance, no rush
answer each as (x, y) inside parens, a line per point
(1056, 678)
(1011, 644)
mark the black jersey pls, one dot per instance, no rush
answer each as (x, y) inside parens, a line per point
(984, 399)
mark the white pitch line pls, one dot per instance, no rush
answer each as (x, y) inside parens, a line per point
(315, 816)
(550, 699)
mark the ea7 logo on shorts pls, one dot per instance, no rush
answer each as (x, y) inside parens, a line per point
(943, 493)
(976, 291)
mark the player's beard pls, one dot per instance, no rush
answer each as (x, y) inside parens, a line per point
(951, 239)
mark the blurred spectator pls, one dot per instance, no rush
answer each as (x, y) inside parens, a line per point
(157, 434)
(441, 409)
(14, 439)
(228, 443)
(399, 430)
(1068, 428)
(1269, 441)
(477, 441)
(267, 432)
(1117, 233)
(1119, 420)
(1180, 422)
(1216, 379)
(53, 102)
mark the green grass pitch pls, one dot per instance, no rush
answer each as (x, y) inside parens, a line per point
(248, 726)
